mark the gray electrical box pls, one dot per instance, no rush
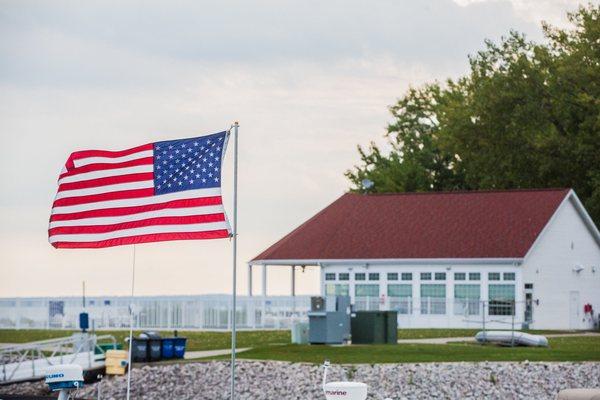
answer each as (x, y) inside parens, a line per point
(329, 320)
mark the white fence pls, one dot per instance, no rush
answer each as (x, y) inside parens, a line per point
(214, 312)
(157, 312)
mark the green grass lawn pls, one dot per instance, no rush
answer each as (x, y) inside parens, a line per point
(430, 333)
(222, 340)
(275, 345)
(196, 340)
(561, 349)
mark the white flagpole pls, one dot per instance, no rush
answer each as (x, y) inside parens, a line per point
(130, 326)
(234, 233)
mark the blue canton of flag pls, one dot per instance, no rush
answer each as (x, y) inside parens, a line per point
(187, 164)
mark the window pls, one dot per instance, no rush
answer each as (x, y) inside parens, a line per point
(440, 276)
(407, 276)
(367, 290)
(399, 290)
(466, 299)
(529, 286)
(330, 277)
(494, 276)
(392, 276)
(474, 276)
(501, 299)
(433, 299)
(425, 276)
(374, 276)
(460, 276)
(400, 297)
(359, 276)
(508, 276)
(332, 289)
(344, 276)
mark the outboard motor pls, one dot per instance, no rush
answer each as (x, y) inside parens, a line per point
(64, 378)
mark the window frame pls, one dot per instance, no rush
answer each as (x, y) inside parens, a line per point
(463, 274)
(373, 276)
(513, 276)
(406, 274)
(364, 286)
(336, 286)
(472, 276)
(501, 306)
(494, 275)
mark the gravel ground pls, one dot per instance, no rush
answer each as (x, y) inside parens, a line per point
(281, 380)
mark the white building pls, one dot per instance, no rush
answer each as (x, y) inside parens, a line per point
(455, 259)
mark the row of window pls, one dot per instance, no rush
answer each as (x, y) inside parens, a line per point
(433, 297)
(425, 276)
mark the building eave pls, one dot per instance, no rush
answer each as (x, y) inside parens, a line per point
(393, 261)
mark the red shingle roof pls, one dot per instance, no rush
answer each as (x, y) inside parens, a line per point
(485, 224)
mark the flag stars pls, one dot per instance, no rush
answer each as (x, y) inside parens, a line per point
(177, 169)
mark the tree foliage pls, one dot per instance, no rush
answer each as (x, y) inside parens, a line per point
(527, 115)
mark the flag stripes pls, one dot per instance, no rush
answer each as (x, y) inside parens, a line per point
(110, 198)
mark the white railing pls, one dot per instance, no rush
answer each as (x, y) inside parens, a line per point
(160, 312)
(214, 312)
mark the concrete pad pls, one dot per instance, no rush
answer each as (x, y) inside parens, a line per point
(192, 355)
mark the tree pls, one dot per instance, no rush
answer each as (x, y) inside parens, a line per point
(527, 115)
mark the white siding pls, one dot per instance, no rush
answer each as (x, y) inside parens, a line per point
(564, 244)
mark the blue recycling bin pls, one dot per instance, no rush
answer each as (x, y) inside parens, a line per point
(179, 346)
(168, 348)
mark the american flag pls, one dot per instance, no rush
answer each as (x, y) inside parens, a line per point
(168, 190)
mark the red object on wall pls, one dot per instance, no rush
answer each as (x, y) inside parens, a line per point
(587, 309)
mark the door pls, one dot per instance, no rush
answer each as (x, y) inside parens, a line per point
(574, 316)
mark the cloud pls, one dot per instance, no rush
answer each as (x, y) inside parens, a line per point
(551, 11)
(307, 80)
(99, 43)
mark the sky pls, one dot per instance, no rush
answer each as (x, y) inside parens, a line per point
(308, 81)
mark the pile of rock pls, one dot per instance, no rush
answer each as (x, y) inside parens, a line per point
(282, 380)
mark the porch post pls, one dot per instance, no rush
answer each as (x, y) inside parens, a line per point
(250, 280)
(264, 280)
(293, 272)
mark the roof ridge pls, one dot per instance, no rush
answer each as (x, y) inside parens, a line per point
(478, 191)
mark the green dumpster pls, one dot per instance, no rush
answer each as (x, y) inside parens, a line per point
(374, 327)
